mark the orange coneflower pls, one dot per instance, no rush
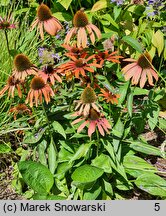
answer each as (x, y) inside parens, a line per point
(106, 56)
(87, 101)
(140, 70)
(110, 97)
(79, 65)
(11, 85)
(95, 119)
(46, 20)
(39, 88)
(81, 28)
(73, 50)
(20, 109)
(23, 67)
(50, 73)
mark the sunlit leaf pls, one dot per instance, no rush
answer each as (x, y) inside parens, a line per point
(99, 5)
(133, 43)
(158, 41)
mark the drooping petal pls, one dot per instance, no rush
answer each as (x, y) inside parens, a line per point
(81, 127)
(100, 129)
(91, 34)
(143, 79)
(96, 30)
(92, 127)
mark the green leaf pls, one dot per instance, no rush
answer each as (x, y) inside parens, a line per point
(158, 41)
(145, 148)
(81, 152)
(152, 184)
(52, 156)
(108, 188)
(62, 16)
(153, 116)
(4, 2)
(135, 166)
(118, 129)
(4, 148)
(86, 174)
(130, 104)
(36, 176)
(109, 19)
(133, 43)
(139, 91)
(48, 197)
(93, 193)
(123, 92)
(99, 5)
(122, 184)
(104, 162)
(31, 138)
(42, 152)
(65, 3)
(58, 128)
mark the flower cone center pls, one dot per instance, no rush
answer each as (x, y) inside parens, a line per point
(94, 115)
(37, 83)
(88, 95)
(80, 19)
(21, 107)
(43, 12)
(12, 81)
(74, 50)
(143, 61)
(79, 63)
(21, 63)
(49, 69)
(4, 24)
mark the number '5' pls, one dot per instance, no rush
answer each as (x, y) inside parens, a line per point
(157, 207)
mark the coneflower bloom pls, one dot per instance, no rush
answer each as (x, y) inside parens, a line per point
(94, 120)
(20, 109)
(140, 70)
(23, 67)
(6, 23)
(39, 88)
(81, 28)
(79, 65)
(11, 85)
(106, 56)
(87, 101)
(109, 97)
(45, 20)
(49, 73)
(73, 50)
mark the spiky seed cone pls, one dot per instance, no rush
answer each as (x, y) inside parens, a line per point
(143, 61)
(94, 115)
(79, 63)
(37, 83)
(80, 19)
(88, 95)
(49, 69)
(21, 62)
(43, 12)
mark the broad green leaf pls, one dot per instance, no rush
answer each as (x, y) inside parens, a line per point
(145, 148)
(62, 169)
(65, 3)
(52, 156)
(58, 128)
(133, 43)
(108, 188)
(104, 162)
(118, 129)
(139, 91)
(62, 16)
(48, 197)
(99, 5)
(93, 193)
(135, 166)
(123, 92)
(86, 174)
(122, 184)
(153, 116)
(42, 152)
(158, 41)
(164, 54)
(152, 184)
(36, 176)
(130, 104)
(4, 148)
(81, 152)
(32, 138)
(109, 19)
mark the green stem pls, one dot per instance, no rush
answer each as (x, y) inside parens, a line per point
(7, 43)
(47, 120)
(71, 10)
(98, 142)
(79, 2)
